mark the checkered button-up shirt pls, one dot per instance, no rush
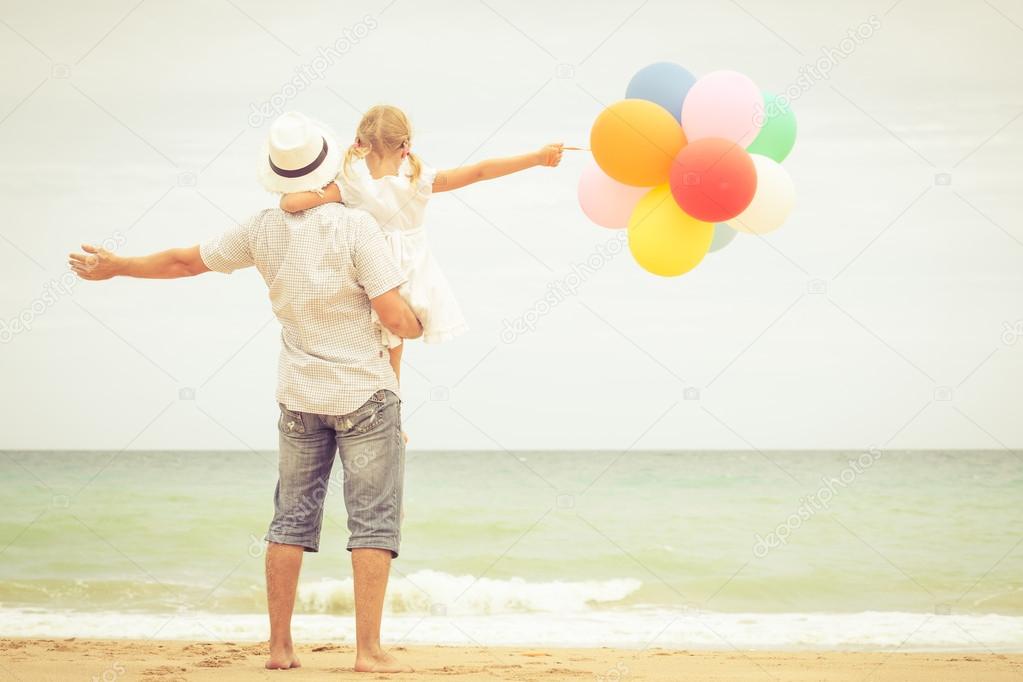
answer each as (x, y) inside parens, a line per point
(322, 267)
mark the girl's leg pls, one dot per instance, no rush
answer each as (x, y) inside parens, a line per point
(395, 356)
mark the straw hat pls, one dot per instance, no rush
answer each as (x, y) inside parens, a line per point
(299, 155)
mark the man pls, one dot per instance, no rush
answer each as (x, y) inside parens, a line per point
(327, 268)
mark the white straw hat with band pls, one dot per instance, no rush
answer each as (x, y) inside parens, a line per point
(299, 155)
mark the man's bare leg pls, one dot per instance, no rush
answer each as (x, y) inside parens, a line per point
(283, 563)
(370, 568)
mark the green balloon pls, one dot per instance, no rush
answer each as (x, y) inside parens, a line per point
(779, 132)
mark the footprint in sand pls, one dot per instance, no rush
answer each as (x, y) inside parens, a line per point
(563, 672)
(164, 673)
(201, 648)
(213, 662)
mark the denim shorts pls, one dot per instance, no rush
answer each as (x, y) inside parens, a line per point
(373, 471)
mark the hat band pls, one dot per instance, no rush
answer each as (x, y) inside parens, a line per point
(304, 170)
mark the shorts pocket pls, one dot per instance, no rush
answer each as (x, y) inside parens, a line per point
(367, 419)
(291, 421)
(370, 416)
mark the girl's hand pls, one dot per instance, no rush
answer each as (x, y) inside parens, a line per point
(549, 155)
(300, 201)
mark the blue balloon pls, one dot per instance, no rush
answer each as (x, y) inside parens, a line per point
(723, 236)
(662, 83)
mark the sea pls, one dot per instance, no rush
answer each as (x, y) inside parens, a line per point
(826, 550)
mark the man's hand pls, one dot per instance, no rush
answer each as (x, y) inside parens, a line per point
(396, 316)
(95, 264)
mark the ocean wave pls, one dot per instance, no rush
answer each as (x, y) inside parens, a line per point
(436, 592)
(636, 628)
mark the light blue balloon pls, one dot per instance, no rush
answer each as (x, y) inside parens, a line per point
(723, 236)
(663, 83)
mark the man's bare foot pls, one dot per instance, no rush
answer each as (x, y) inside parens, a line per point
(283, 658)
(380, 663)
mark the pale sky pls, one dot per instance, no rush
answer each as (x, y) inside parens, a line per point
(887, 311)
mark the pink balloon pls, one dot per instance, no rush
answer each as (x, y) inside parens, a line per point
(723, 104)
(606, 201)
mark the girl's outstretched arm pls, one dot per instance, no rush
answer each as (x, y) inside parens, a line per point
(447, 180)
(300, 201)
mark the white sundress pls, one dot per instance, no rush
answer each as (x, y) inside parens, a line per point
(399, 207)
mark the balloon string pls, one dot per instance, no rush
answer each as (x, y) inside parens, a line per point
(576, 149)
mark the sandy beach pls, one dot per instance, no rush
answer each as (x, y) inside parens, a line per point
(62, 659)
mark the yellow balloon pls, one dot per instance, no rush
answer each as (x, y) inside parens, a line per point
(635, 142)
(664, 239)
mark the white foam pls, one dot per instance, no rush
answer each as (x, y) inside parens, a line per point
(442, 593)
(635, 628)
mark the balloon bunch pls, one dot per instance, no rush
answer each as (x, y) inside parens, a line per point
(684, 164)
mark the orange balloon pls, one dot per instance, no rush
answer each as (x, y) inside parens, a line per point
(635, 141)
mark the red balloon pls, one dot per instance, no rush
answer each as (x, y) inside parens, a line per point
(713, 180)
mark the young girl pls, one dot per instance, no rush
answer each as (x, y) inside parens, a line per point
(381, 175)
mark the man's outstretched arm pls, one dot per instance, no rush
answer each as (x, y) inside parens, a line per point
(98, 263)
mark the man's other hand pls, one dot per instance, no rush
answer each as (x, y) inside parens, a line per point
(95, 264)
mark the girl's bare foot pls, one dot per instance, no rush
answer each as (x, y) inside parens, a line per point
(283, 658)
(380, 663)
(405, 436)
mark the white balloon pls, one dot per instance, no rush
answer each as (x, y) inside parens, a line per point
(773, 201)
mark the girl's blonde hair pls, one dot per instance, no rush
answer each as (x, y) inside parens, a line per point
(383, 129)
